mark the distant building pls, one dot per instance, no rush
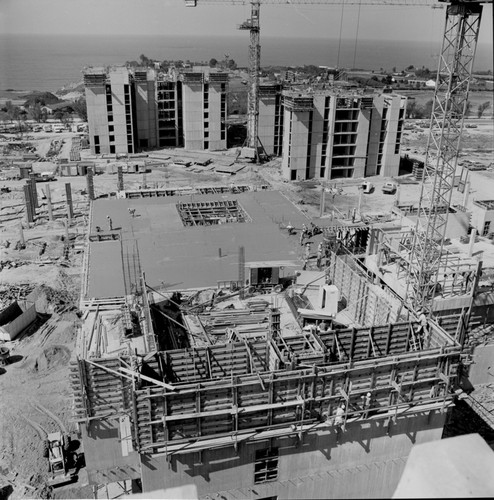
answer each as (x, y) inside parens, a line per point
(329, 136)
(131, 110)
(270, 129)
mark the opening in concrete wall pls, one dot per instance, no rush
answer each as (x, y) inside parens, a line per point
(211, 213)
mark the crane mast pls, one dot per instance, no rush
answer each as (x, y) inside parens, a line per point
(254, 27)
(457, 55)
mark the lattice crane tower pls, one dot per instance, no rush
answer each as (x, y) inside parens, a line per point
(443, 146)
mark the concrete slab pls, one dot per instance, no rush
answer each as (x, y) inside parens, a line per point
(178, 257)
(459, 467)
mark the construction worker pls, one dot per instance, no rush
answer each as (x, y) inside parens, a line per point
(339, 419)
(307, 251)
(110, 223)
(366, 403)
(319, 255)
(303, 234)
(290, 228)
(422, 330)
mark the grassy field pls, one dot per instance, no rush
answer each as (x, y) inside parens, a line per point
(475, 98)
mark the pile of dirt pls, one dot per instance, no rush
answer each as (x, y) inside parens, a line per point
(51, 357)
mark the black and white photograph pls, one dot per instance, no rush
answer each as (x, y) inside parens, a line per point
(246, 249)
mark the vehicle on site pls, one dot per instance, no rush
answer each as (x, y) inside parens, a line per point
(390, 187)
(181, 163)
(367, 187)
(48, 128)
(58, 129)
(57, 447)
(203, 163)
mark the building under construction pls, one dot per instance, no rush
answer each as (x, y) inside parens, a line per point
(131, 110)
(333, 134)
(209, 358)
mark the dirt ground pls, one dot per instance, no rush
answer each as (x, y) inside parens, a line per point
(35, 385)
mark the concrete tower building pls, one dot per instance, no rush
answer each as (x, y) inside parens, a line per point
(330, 136)
(131, 110)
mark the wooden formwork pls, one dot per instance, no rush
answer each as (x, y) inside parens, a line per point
(222, 393)
(367, 304)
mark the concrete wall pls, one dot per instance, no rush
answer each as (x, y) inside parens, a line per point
(119, 77)
(482, 369)
(295, 136)
(146, 111)
(102, 443)
(15, 325)
(480, 216)
(97, 118)
(193, 112)
(214, 110)
(367, 463)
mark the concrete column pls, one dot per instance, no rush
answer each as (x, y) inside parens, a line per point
(360, 195)
(66, 223)
(28, 198)
(323, 202)
(466, 194)
(68, 194)
(90, 184)
(473, 234)
(34, 191)
(120, 181)
(48, 202)
(21, 235)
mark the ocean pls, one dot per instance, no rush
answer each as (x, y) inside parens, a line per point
(46, 62)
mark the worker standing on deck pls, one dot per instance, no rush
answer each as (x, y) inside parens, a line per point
(303, 234)
(422, 331)
(319, 255)
(339, 419)
(307, 251)
(110, 223)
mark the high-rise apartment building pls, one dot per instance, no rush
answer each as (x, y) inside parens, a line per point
(327, 135)
(130, 110)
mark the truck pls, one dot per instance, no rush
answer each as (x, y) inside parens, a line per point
(57, 446)
(389, 187)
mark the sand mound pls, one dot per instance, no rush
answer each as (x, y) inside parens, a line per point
(52, 357)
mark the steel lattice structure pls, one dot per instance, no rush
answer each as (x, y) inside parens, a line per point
(450, 100)
(254, 27)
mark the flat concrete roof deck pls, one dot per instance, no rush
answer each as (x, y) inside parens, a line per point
(178, 257)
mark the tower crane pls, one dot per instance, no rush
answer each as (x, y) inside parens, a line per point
(450, 100)
(427, 256)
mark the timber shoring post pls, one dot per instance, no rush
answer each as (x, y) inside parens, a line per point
(388, 339)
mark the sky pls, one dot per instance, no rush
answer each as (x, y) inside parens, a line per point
(172, 17)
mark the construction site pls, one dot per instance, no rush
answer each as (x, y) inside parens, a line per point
(189, 323)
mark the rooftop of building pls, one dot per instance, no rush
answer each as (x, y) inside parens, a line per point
(487, 204)
(197, 255)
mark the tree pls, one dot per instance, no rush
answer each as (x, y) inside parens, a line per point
(11, 110)
(232, 64)
(80, 108)
(37, 113)
(482, 107)
(428, 108)
(145, 61)
(411, 109)
(213, 62)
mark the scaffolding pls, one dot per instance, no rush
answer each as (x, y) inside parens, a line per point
(188, 400)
